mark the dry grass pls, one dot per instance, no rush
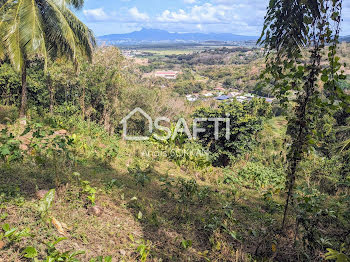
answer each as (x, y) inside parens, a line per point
(165, 221)
(223, 226)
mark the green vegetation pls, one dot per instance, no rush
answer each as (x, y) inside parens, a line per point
(73, 189)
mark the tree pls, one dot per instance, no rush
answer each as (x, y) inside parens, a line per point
(296, 35)
(102, 82)
(45, 28)
(243, 126)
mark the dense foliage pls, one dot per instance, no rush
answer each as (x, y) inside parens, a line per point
(245, 120)
(72, 189)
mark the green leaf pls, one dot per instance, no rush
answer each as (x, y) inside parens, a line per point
(139, 215)
(6, 227)
(5, 151)
(30, 252)
(108, 259)
(58, 241)
(46, 202)
(324, 78)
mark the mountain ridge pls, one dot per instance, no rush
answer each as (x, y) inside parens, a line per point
(156, 35)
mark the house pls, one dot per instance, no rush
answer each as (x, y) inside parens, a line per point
(166, 74)
(269, 100)
(241, 99)
(222, 97)
(235, 93)
(208, 94)
(192, 99)
(249, 95)
(220, 89)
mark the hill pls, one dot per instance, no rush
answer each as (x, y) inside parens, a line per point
(156, 35)
(345, 38)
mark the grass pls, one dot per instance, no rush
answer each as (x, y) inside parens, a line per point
(153, 209)
(134, 214)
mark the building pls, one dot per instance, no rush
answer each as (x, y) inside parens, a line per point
(166, 74)
(223, 97)
(235, 93)
(219, 89)
(269, 100)
(241, 99)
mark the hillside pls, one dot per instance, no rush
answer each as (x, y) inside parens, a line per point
(156, 35)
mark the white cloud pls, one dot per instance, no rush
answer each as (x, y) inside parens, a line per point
(97, 14)
(206, 13)
(244, 17)
(137, 15)
(124, 15)
(190, 2)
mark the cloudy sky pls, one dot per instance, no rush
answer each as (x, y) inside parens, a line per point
(243, 17)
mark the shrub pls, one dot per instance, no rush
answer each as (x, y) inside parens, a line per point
(243, 127)
(256, 175)
(8, 114)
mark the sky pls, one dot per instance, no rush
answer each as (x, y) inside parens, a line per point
(244, 17)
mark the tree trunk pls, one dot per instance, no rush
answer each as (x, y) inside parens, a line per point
(83, 102)
(23, 110)
(302, 125)
(8, 94)
(49, 83)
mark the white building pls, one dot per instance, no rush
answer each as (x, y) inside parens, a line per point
(208, 94)
(166, 74)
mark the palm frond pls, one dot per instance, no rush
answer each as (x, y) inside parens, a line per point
(60, 37)
(4, 6)
(44, 27)
(84, 36)
(78, 4)
(12, 41)
(2, 52)
(345, 144)
(31, 33)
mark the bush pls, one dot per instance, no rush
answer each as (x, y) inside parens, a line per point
(8, 114)
(244, 125)
(256, 175)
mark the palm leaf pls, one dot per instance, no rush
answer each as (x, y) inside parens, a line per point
(12, 41)
(60, 37)
(44, 27)
(84, 36)
(344, 145)
(31, 34)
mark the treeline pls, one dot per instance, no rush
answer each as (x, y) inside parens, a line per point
(103, 91)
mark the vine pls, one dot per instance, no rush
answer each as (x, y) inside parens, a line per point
(297, 35)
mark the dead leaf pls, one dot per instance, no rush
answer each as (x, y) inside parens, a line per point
(41, 194)
(58, 226)
(95, 210)
(66, 227)
(274, 248)
(2, 244)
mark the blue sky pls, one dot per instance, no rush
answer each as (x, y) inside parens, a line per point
(243, 17)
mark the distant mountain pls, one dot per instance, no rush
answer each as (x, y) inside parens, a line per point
(156, 35)
(345, 38)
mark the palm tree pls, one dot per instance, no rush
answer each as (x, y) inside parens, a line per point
(45, 28)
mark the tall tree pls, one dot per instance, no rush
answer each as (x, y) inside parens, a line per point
(297, 34)
(45, 28)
